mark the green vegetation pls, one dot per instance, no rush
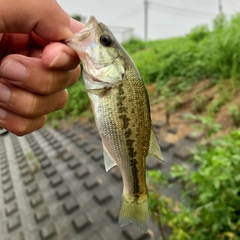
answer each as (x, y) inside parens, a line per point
(207, 124)
(33, 162)
(77, 17)
(210, 202)
(176, 65)
(76, 105)
(202, 54)
(234, 111)
(199, 103)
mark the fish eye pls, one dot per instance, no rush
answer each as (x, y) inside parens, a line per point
(106, 40)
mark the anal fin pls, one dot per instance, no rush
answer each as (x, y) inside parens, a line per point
(108, 160)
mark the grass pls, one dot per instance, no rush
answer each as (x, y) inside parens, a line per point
(77, 104)
(210, 204)
(201, 54)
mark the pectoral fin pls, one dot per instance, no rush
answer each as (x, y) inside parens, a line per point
(154, 149)
(108, 160)
(97, 91)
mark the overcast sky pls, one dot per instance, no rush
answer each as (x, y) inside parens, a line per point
(166, 18)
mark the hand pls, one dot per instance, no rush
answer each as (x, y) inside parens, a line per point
(35, 67)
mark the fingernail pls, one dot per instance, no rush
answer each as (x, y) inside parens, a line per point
(60, 60)
(3, 114)
(5, 93)
(13, 70)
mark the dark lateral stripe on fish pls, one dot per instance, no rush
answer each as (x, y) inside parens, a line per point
(129, 141)
(136, 187)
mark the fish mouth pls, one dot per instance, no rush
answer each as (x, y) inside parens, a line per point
(83, 34)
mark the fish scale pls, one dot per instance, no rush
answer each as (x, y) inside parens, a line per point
(138, 145)
(121, 109)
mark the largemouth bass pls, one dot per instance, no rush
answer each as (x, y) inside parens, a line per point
(121, 109)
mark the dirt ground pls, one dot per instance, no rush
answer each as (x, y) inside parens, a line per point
(203, 88)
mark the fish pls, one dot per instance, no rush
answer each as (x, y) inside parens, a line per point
(121, 109)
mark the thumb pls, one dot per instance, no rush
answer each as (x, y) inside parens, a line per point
(45, 18)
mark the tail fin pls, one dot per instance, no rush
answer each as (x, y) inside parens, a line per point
(134, 210)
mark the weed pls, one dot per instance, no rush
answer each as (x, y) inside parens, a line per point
(161, 207)
(210, 83)
(171, 106)
(212, 193)
(199, 103)
(55, 124)
(217, 103)
(203, 54)
(198, 33)
(33, 162)
(206, 124)
(133, 45)
(77, 103)
(234, 111)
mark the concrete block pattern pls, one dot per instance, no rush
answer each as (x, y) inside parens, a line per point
(53, 185)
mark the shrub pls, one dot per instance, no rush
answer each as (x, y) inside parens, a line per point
(77, 103)
(234, 111)
(133, 45)
(199, 103)
(210, 203)
(199, 33)
(207, 124)
(203, 54)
